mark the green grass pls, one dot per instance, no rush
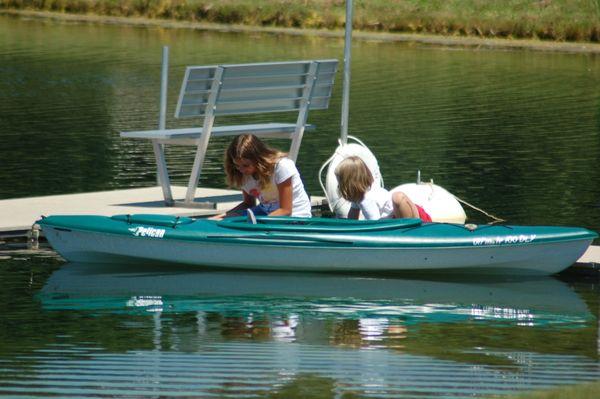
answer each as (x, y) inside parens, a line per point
(581, 391)
(560, 20)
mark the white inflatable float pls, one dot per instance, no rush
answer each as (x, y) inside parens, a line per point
(441, 205)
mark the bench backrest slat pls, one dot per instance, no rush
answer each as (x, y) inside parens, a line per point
(255, 88)
(200, 98)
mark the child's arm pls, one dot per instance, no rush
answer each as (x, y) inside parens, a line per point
(369, 209)
(353, 213)
(248, 202)
(285, 199)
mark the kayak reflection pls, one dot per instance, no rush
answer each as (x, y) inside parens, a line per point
(118, 287)
(471, 321)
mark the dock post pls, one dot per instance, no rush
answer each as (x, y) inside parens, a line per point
(33, 237)
(164, 79)
(159, 152)
(347, 62)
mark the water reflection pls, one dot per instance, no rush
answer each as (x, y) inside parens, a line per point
(347, 310)
(370, 294)
(95, 330)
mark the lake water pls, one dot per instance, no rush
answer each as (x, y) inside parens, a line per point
(514, 132)
(87, 330)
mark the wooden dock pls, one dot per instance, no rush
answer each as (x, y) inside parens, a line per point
(591, 257)
(18, 215)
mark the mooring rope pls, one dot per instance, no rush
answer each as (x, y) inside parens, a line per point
(495, 218)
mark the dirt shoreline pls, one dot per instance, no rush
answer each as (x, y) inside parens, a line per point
(458, 41)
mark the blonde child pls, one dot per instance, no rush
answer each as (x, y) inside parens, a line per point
(355, 183)
(267, 175)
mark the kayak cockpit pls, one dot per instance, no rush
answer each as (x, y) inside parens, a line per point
(316, 225)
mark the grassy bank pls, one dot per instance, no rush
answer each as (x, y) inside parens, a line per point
(580, 391)
(558, 20)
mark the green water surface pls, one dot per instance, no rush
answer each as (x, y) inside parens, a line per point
(516, 133)
(513, 132)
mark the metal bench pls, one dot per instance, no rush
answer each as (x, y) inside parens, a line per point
(211, 91)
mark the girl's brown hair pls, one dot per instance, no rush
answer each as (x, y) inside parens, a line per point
(354, 178)
(248, 146)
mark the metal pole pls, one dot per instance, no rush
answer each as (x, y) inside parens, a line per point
(347, 59)
(162, 121)
(162, 175)
(162, 109)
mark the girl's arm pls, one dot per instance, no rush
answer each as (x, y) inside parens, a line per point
(369, 209)
(248, 202)
(285, 199)
(353, 213)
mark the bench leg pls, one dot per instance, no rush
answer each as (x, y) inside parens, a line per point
(198, 161)
(195, 176)
(163, 174)
(209, 119)
(311, 79)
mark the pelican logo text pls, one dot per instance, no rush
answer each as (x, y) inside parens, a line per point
(520, 239)
(147, 232)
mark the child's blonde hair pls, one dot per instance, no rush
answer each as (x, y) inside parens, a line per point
(248, 146)
(354, 178)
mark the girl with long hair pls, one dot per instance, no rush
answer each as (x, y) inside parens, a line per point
(267, 175)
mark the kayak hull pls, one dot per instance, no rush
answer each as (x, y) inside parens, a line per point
(304, 254)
